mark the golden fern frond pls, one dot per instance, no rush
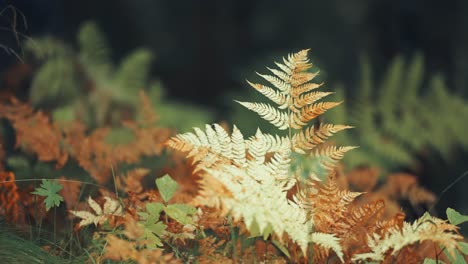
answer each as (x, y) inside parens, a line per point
(425, 228)
(251, 180)
(277, 82)
(296, 91)
(310, 112)
(272, 143)
(238, 146)
(328, 241)
(327, 202)
(293, 85)
(302, 78)
(215, 141)
(269, 113)
(311, 137)
(269, 209)
(309, 98)
(329, 156)
(271, 94)
(279, 164)
(257, 150)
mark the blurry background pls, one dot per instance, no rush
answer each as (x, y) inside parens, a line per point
(400, 65)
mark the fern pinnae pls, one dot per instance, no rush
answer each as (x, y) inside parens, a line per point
(269, 113)
(311, 137)
(328, 241)
(238, 147)
(286, 77)
(224, 140)
(330, 155)
(277, 82)
(312, 111)
(203, 139)
(307, 99)
(304, 88)
(302, 78)
(213, 139)
(284, 68)
(277, 97)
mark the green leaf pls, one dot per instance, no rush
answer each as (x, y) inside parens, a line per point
(282, 248)
(167, 187)
(463, 247)
(432, 261)
(49, 189)
(181, 213)
(153, 212)
(458, 258)
(153, 233)
(455, 217)
(154, 229)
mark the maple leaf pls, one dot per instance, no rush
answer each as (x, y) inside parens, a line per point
(50, 189)
(110, 208)
(153, 228)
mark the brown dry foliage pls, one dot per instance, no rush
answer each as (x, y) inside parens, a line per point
(395, 188)
(120, 249)
(9, 197)
(35, 133)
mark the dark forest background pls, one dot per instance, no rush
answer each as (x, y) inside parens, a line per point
(204, 50)
(203, 47)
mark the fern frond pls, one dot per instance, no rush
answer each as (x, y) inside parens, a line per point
(277, 82)
(271, 94)
(328, 241)
(269, 113)
(280, 74)
(93, 46)
(270, 206)
(307, 99)
(238, 147)
(212, 142)
(329, 156)
(426, 228)
(250, 179)
(257, 150)
(311, 137)
(272, 143)
(302, 78)
(296, 91)
(310, 112)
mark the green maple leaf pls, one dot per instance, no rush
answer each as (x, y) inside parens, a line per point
(153, 233)
(154, 229)
(50, 189)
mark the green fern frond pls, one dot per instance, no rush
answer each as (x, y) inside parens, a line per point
(391, 118)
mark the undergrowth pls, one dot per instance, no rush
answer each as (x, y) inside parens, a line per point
(73, 191)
